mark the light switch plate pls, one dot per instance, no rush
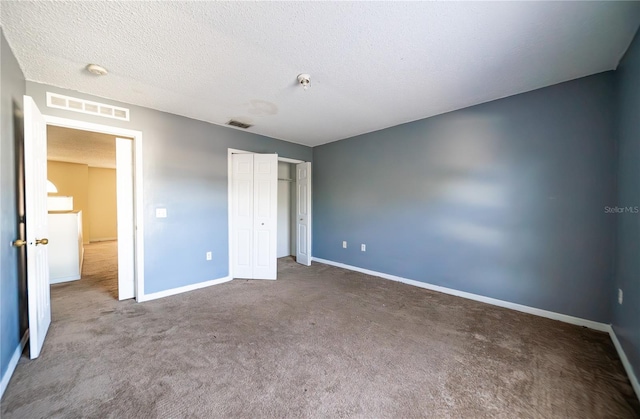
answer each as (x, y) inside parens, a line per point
(161, 213)
(620, 295)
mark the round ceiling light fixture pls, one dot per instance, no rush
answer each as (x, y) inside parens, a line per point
(304, 80)
(96, 69)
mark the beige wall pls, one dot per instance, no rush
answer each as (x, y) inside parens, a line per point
(102, 215)
(94, 193)
(72, 179)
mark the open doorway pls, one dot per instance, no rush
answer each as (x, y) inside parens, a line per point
(35, 238)
(85, 189)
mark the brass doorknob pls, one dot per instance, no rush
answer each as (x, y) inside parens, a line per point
(19, 243)
(42, 241)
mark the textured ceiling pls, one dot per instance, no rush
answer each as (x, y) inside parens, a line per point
(85, 147)
(372, 64)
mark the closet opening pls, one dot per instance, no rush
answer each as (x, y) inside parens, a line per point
(269, 213)
(286, 210)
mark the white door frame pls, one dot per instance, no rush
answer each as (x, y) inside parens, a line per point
(138, 213)
(230, 153)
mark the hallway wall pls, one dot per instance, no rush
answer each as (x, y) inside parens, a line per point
(103, 217)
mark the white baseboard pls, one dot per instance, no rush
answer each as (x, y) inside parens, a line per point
(603, 327)
(180, 290)
(103, 239)
(13, 363)
(625, 362)
(64, 279)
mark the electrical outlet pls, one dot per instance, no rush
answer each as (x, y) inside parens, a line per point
(209, 255)
(363, 247)
(161, 213)
(619, 296)
(344, 244)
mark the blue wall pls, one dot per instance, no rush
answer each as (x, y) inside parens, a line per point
(626, 317)
(185, 171)
(12, 89)
(504, 199)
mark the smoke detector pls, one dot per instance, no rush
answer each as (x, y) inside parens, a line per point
(97, 70)
(304, 80)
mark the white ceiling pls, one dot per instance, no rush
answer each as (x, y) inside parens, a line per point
(84, 147)
(372, 64)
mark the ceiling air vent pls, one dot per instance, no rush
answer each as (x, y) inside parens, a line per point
(239, 124)
(68, 103)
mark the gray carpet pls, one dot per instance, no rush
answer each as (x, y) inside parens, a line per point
(318, 342)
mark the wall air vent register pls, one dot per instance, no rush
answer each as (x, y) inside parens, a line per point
(239, 124)
(68, 103)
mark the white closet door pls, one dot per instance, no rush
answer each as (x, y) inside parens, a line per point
(265, 216)
(303, 212)
(242, 207)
